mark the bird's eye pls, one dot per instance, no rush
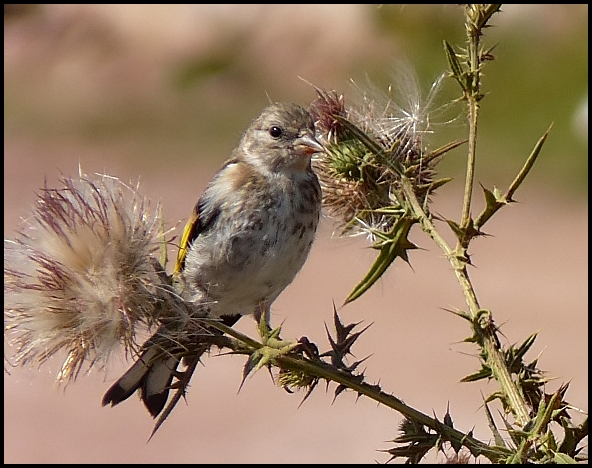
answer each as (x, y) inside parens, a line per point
(276, 131)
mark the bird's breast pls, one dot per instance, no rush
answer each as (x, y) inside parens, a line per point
(255, 248)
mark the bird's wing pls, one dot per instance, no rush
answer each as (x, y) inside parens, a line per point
(208, 208)
(204, 213)
(192, 229)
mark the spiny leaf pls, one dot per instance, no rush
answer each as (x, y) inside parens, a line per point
(432, 186)
(490, 199)
(343, 342)
(442, 150)
(573, 436)
(494, 200)
(499, 440)
(455, 67)
(486, 13)
(251, 364)
(312, 386)
(517, 436)
(458, 232)
(527, 165)
(562, 458)
(340, 388)
(544, 414)
(417, 442)
(483, 373)
(397, 246)
(524, 347)
(461, 313)
(355, 365)
(362, 136)
(342, 330)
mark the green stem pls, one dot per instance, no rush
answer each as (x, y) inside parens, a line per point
(495, 357)
(472, 94)
(322, 370)
(470, 176)
(325, 371)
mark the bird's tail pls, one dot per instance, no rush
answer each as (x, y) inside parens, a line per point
(155, 373)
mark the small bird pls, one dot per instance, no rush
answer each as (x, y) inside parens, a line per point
(247, 238)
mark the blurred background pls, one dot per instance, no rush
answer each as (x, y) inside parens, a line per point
(161, 93)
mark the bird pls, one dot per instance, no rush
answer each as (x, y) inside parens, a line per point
(248, 236)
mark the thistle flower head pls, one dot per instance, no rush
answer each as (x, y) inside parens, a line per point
(81, 276)
(369, 147)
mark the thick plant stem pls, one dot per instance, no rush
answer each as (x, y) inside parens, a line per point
(322, 370)
(495, 357)
(476, 18)
(325, 371)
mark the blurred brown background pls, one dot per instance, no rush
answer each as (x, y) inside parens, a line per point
(162, 92)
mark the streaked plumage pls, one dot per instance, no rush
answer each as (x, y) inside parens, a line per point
(247, 238)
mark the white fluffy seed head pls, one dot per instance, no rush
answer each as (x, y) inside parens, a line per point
(82, 274)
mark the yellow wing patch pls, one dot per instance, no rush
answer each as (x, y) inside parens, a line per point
(187, 237)
(230, 178)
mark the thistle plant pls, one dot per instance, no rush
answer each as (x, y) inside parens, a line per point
(87, 273)
(378, 178)
(83, 275)
(374, 153)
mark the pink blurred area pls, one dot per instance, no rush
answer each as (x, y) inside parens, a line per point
(87, 85)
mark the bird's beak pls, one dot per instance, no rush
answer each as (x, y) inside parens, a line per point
(308, 144)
